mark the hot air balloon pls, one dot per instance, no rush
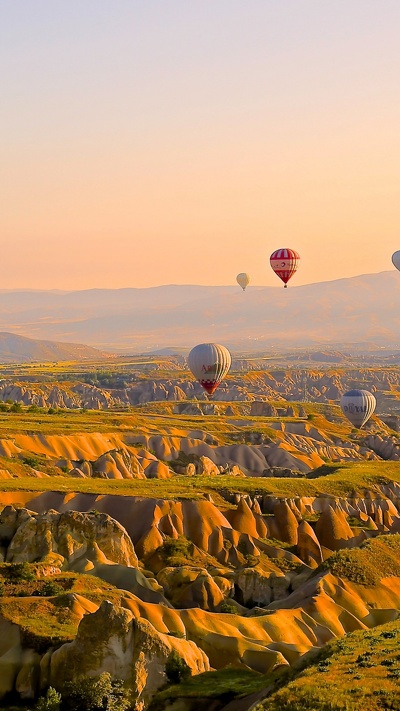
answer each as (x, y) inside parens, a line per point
(209, 363)
(284, 262)
(396, 259)
(243, 280)
(358, 406)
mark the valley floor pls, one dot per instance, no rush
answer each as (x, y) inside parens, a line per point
(202, 561)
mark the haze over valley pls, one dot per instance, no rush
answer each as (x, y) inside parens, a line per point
(362, 309)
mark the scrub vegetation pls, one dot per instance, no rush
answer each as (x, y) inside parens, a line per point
(341, 480)
(357, 673)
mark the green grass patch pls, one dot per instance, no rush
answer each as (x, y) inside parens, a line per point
(47, 619)
(176, 551)
(225, 684)
(376, 558)
(158, 418)
(43, 622)
(347, 480)
(360, 672)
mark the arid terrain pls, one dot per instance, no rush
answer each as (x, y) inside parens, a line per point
(112, 383)
(237, 553)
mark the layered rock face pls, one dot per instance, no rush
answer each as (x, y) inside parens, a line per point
(62, 538)
(177, 564)
(43, 395)
(255, 387)
(128, 647)
(127, 528)
(296, 449)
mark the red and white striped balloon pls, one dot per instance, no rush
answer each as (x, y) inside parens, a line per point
(284, 262)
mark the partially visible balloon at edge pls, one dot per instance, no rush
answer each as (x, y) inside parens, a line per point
(358, 406)
(396, 259)
(209, 363)
(284, 263)
(243, 280)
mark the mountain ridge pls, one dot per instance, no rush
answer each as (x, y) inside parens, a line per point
(346, 310)
(19, 349)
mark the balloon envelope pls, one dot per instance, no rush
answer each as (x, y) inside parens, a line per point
(285, 263)
(396, 259)
(243, 280)
(209, 363)
(358, 406)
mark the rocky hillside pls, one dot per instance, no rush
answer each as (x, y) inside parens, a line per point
(358, 673)
(227, 549)
(292, 449)
(126, 389)
(218, 586)
(18, 349)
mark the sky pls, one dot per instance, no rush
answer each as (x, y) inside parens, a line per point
(147, 142)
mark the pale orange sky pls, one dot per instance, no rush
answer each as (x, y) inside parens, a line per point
(145, 143)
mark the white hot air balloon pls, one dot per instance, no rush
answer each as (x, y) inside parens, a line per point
(396, 259)
(243, 280)
(358, 406)
(209, 363)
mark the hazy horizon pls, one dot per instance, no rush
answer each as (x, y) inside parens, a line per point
(232, 285)
(361, 308)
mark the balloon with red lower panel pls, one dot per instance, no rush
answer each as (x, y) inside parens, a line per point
(285, 263)
(209, 363)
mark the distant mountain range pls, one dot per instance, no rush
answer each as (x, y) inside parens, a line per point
(18, 349)
(358, 309)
